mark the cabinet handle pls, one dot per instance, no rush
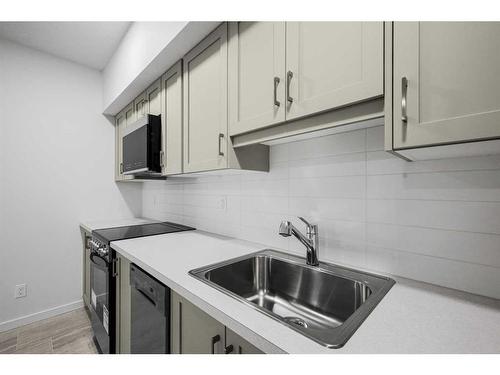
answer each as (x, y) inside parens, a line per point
(228, 349)
(276, 83)
(162, 154)
(121, 167)
(404, 92)
(221, 136)
(289, 76)
(215, 340)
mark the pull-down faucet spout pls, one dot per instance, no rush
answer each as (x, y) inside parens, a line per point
(310, 240)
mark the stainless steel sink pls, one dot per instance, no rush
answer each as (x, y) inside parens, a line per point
(326, 303)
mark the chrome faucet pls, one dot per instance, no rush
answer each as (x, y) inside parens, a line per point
(310, 240)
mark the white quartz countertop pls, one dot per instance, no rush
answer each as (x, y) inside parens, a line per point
(412, 318)
(113, 223)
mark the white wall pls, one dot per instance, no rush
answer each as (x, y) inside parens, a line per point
(56, 168)
(434, 221)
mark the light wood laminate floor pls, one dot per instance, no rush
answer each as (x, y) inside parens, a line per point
(68, 333)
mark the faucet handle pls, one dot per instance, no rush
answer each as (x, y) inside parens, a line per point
(309, 225)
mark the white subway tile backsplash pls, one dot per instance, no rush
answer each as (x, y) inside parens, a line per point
(470, 277)
(319, 209)
(329, 187)
(278, 153)
(375, 139)
(381, 162)
(266, 188)
(337, 165)
(460, 185)
(436, 221)
(464, 246)
(262, 203)
(481, 217)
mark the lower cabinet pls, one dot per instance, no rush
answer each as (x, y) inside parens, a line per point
(86, 268)
(195, 332)
(235, 344)
(123, 305)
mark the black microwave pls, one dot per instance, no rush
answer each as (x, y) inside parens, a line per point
(141, 146)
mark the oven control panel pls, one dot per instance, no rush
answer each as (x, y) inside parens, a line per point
(99, 247)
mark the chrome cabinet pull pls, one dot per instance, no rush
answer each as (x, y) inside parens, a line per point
(221, 136)
(404, 92)
(289, 76)
(276, 83)
(215, 340)
(121, 167)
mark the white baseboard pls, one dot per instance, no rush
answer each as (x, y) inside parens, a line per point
(49, 313)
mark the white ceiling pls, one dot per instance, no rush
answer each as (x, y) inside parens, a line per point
(88, 43)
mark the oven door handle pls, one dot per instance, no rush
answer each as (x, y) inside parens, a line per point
(93, 255)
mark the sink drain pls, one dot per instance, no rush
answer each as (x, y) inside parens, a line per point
(296, 321)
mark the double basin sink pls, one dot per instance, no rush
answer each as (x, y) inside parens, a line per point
(326, 303)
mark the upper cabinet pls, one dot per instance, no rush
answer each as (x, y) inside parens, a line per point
(446, 88)
(119, 124)
(207, 146)
(171, 120)
(153, 98)
(140, 105)
(285, 71)
(332, 64)
(256, 75)
(205, 104)
(122, 120)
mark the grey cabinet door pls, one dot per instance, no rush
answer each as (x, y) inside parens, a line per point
(192, 330)
(331, 65)
(153, 98)
(121, 120)
(140, 105)
(256, 75)
(86, 268)
(238, 345)
(205, 104)
(452, 90)
(119, 123)
(123, 304)
(172, 120)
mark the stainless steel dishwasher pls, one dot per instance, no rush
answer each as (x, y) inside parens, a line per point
(150, 314)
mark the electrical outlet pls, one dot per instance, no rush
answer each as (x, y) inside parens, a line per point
(20, 291)
(222, 203)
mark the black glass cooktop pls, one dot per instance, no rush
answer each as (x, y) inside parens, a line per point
(132, 231)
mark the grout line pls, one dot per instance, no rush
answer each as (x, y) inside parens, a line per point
(432, 228)
(436, 256)
(430, 200)
(435, 172)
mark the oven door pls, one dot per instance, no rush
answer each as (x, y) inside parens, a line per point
(100, 300)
